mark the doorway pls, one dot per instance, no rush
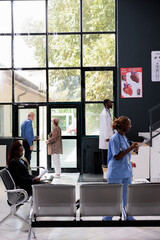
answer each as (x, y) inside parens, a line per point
(70, 126)
(69, 122)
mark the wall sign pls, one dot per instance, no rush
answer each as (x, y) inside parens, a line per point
(155, 66)
(131, 82)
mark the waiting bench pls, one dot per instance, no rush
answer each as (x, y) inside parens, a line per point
(58, 200)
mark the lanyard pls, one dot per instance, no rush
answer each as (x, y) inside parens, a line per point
(125, 140)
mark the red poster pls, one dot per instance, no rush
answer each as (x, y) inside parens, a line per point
(131, 82)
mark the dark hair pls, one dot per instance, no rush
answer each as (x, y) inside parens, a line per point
(105, 101)
(120, 122)
(14, 150)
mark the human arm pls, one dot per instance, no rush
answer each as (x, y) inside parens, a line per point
(106, 122)
(20, 173)
(53, 136)
(121, 154)
(36, 179)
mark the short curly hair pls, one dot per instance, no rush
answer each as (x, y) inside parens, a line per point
(120, 122)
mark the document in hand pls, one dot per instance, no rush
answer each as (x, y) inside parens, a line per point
(144, 142)
(141, 144)
(42, 173)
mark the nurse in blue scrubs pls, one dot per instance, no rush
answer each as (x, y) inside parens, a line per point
(119, 165)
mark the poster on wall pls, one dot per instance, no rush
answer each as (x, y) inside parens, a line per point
(131, 82)
(155, 66)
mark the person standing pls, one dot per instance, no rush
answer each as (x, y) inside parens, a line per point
(55, 146)
(119, 156)
(106, 130)
(28, 135)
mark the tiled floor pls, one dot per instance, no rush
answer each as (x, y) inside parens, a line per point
(15, 229)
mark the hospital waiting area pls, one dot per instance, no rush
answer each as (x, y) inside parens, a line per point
(60, 59)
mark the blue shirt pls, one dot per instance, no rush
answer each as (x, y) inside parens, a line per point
(27, 131)
(118, 168)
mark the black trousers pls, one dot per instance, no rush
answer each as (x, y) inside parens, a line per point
(104, 156)
(28, 152)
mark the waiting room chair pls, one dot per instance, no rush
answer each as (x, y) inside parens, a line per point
(52, 200)
(101, 199)
(15, 197)
(143, 199)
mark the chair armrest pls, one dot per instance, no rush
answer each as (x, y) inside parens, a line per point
(37, 167)
(22, 191)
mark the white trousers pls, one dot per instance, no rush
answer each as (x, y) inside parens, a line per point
(56, 162)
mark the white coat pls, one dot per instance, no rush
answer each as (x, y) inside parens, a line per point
(106, 130)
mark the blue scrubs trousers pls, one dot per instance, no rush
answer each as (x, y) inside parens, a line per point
(125, 182)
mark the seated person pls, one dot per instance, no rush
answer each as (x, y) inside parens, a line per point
(19, 169)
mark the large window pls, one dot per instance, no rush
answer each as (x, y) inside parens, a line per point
(47, 49)
(55, 53)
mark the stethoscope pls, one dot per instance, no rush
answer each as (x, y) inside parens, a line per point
(127, 143)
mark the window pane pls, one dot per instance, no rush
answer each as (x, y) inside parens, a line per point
(67, 120)
(64, 85)
(99, 50)
(64, 16)
(92, 112)
(5, 86)
(5, 17)
(29, 51)
(5, 120)
(30, 86)
(69, 157)
(99, 85)
(5, 50)
(29, 16)
(64, 51)
(98, 15)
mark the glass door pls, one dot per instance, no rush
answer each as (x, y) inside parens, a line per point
(70, 127)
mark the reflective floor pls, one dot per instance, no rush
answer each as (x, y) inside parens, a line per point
(15, 229)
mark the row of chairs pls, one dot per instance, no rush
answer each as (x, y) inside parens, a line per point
(99, 199)
(96, 199)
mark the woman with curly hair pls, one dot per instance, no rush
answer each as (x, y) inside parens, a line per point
(55, 146)
(119, 164)
(19, 169)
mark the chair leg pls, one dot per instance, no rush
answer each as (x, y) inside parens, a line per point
(15, 215)
(34, 235)
(31, 231)
(4, 219)
(124, 213)
(21, 218)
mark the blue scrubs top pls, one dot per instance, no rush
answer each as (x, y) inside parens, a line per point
(118, 168)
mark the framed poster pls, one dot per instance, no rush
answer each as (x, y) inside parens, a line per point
(131, 82)
(155, 66)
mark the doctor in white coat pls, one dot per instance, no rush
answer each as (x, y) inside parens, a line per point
(106, 130)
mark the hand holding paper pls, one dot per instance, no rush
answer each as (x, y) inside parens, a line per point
(42, 173)
(144, 142)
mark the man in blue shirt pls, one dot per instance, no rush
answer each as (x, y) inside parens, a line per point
(28, 135)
